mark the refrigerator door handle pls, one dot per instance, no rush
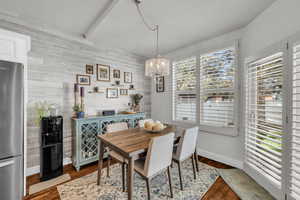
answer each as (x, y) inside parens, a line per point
(4, 164)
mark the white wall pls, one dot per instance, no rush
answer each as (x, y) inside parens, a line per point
(275, 24)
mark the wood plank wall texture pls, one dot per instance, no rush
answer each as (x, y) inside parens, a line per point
(52, 68)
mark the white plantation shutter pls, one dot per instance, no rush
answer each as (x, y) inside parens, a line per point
(264, 124)
(184, 87)
(295, 145)
(217, 88)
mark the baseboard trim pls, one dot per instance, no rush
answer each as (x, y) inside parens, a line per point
(221, 158)
(36, 169)
(217, 157)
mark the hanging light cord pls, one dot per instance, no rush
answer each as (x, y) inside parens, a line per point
(151, 28)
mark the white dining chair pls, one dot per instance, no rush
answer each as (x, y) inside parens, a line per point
(158, 159)
(185, 149)
(114, 155)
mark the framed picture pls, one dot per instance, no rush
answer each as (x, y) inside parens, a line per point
(160, 84)
(116, 73)
(103, 73)
(127, 77)
(83, 79)
(112, 93)
(124, 92)
(89, 69)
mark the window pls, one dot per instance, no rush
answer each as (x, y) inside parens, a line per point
(264, 124)
(184, 87)
(204, 90)
(217, 88)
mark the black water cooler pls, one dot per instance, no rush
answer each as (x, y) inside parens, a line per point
(51, 161)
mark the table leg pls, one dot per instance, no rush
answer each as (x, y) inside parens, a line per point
(130, 178)
(100, 162)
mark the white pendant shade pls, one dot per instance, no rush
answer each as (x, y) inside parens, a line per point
(158, 66)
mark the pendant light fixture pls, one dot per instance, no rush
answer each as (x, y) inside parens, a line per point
(157, 66)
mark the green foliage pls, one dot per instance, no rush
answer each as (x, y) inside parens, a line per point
(42, 109)
(136, 98)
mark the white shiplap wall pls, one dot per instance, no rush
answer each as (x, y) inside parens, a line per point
(52, 68)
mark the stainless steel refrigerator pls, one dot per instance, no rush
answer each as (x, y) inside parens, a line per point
(11, 131)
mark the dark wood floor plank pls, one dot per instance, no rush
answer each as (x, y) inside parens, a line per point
(219, 190)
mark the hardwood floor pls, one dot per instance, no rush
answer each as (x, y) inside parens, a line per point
(219, 191)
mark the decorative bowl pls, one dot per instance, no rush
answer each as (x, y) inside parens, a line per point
(155, 131)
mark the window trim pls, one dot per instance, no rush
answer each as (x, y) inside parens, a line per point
(227, 131)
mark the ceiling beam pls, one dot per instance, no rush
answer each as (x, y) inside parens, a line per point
(99, 19)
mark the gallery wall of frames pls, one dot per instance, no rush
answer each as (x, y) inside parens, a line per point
(120, 82)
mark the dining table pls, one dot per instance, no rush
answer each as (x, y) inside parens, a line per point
(129, 143)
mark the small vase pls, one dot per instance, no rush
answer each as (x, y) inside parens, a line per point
(80, 114)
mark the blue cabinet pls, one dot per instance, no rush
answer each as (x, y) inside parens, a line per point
(85, 131)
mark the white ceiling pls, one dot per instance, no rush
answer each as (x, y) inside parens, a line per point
(181, 22)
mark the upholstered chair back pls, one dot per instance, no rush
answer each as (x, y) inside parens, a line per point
(120, 126)
(159, 155)
(187, 143)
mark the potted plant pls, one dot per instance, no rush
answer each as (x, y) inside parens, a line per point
(79, 111)
(44, 109)
(136, 98)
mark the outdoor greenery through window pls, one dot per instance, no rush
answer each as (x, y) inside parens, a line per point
(217, 88)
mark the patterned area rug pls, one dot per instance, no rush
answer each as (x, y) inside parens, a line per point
(111, 188)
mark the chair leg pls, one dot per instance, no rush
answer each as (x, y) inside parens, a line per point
(170, 182)
(180, 178)
(123, 176)
(148, 187)
(108, 165)
(126, 177)
(194, 169)
(196, 161)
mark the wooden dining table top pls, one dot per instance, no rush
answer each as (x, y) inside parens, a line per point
(132, 141)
